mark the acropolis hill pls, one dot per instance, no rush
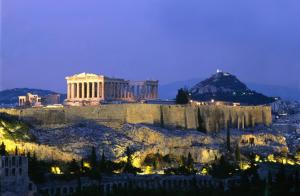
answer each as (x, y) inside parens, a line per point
(206, 118)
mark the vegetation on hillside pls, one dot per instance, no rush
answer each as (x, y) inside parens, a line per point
(14, 129)
(182, 96)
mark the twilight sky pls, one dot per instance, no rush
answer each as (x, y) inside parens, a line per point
(42, 41)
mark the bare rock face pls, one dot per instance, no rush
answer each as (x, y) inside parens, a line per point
(177, 143)
(264, 143)
(144, 140)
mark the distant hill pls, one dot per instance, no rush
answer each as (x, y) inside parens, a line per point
(224, 86)
(10, 96)
(169, 91)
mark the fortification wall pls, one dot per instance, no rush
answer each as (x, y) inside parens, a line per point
(206, 118)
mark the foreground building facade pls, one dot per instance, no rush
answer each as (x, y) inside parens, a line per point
(91, 89)
(14, 180)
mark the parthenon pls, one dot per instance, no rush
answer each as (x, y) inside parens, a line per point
(91, 89)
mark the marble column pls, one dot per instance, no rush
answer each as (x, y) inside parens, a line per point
(115, 90)
(82, 90)
(72, 90)
(68, 88)
(88, 90)
(93, 89)
(119, 90)
(77, 89)
(103, 91)
(98, 90)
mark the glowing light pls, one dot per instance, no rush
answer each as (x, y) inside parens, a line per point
(284, 161)
(204, 171)
(117, 171)
(136, 163)
(290, 162)
(244, 165)
(56, 170)
(271, 158)
(257, 158)
(87, 165)
(148, 170)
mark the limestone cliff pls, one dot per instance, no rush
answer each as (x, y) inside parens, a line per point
(145, 140)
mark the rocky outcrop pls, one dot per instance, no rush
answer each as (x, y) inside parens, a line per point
(145, 140)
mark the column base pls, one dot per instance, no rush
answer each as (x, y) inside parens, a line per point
(83, 102)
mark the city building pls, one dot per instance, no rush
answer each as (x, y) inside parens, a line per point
(51, 99)
(30, 100)
(145, 182)
(14, 178)
(91, 89)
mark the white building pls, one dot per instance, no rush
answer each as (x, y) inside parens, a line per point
(30, 100)
(91, 89)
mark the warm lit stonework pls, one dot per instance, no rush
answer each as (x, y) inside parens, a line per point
(91, 89)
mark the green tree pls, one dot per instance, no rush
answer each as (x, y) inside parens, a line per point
(3, 151)
(129, 168)
(182, 96)
(103, 163)
(16, 151)
(237, 153)
(162, 124)
(73, 167)
(190, 163)
(201, 127)
(93, 159)
(228, 135)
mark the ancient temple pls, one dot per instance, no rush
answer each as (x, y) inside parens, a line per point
(91, 89)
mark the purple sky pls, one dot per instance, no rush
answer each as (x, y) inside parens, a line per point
(45, 40)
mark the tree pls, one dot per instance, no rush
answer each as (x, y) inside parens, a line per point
(200, 121)
(16, 151)
(237, 153)
(228, 138)
(223, 168)
(93, 158)
(129, 168)
(73, 167)
(28, 155)
(190, 162)
(162, 124)
(3, 151)
(182, 96)
(102, 163)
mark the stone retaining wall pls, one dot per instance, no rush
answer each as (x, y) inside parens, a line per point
(206, 118)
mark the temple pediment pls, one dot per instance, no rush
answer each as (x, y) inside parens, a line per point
(83, 75)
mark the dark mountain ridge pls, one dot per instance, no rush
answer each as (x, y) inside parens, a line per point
(224, 86)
